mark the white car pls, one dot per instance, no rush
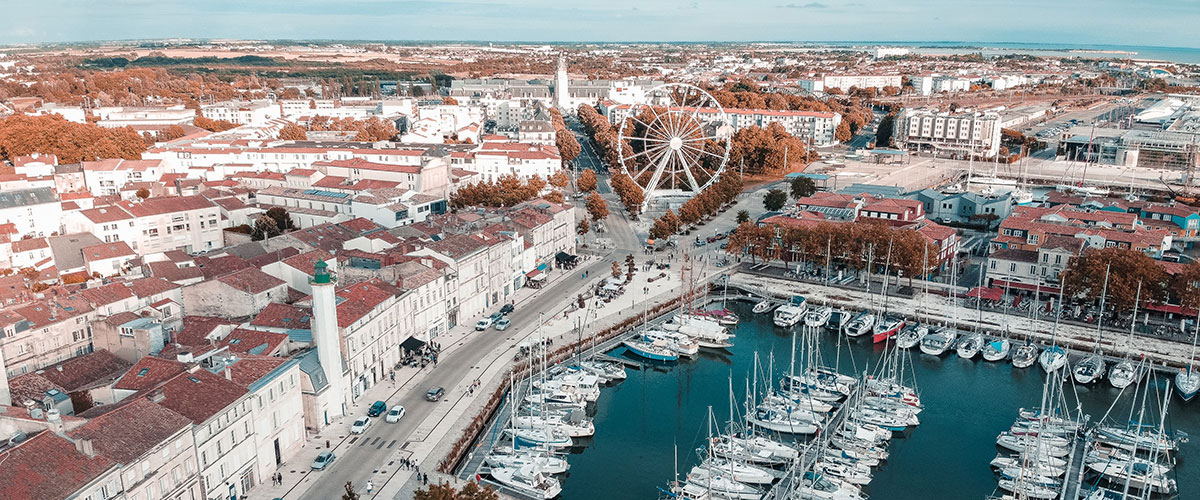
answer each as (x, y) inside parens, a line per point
(483, 324)
(360, 425)
(395, 414)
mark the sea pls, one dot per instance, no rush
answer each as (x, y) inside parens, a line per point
(1185, 55)
(658, 417)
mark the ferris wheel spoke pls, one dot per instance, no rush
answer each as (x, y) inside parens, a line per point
(702, 139)
(648, 151)
(688, 172)
(650, 139)
(704, 151)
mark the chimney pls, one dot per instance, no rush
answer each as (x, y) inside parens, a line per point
(85, 446)
(157, 396)
(228, 373)
(185, 357)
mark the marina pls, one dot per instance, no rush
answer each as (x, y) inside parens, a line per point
(658, 417)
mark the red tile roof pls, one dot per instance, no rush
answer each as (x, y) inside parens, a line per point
(147, 287)
(306, 261)
(89, 370)
(30, 244)
(197, 328)
(360, 299)
(48, 467)
(284, 316)
(243, 341)
(249, 369)
(199, 394)
(107, 251)
(213, 267)
(251, 280)
(166, 205)
(270, 257)
(149, 372)
(102, 215)
(132, 430)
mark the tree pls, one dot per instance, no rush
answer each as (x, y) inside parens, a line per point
(560, 179)
(1084, 277)
(583, 227)
(265, 227)
(842, 134)
(293, 132)
(449, 101)
(597, 207)
(616, 269)
(775, 200)
(883, 132)
(349, 494)
(213, 125)
(72, 142)
(743, 217)
(171, 133)
(1186, 286)
(282, 220)
(587, 181)
(802, 187)
(444, 491)
(554, 197)
(142, 193)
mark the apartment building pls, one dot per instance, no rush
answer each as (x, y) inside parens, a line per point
(242, 112)
(943, 133)
(189, 223)
(107, 177)
(815, 127)
(45, 331)
(276, 408)
(36, 211)
(845, 82)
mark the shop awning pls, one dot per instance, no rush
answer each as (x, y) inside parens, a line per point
(565, 257)
(986, 293)
(412, 344)
(1170, 308)
(535, 275)
(1013, 285)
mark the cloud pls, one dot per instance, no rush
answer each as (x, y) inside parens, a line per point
(810, 5)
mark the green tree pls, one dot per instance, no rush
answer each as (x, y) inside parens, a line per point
(583, 227)
(802, 187)
(265, 227)
(775, 199)
(142, 193)
(616, 269)
(743, 216)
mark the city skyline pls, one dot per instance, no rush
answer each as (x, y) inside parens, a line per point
(1086, 23)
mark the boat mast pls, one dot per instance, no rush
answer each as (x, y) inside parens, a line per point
(1103, 296)
(1192, 356)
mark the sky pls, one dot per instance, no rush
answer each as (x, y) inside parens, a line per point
(1169, 23)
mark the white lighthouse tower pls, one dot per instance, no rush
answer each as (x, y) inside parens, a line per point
(327, 338)
(562, 93)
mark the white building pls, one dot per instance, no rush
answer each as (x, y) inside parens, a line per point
(117, 116)
(845, 82)
(189, 223)
(242, 112)
(950, 134)
(107, 177)
(816, 127)
(36, 211)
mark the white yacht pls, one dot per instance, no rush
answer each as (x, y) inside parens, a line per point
(818, 317)
(788, 315)
(529, 481)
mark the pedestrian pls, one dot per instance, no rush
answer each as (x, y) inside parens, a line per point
(418, 467)
(280, 476)
(370, 486)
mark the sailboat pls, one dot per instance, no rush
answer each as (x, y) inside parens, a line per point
(996, 349)
(861, 324)
(653, 350)
(1091, 367)
(1025, 355)
(1126, 372)
(970, 345)
(1053, 358)
(763, 306)
(1187, 381)
(911, 335)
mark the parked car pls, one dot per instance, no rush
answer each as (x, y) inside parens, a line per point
(377, 409)
(497, 316)
(395, 414)
(483, 324)
(323, 460)
(508, 308)
(435, 394)
(502, 324)
(360, 425)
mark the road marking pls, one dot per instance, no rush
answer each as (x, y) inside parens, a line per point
(376, 440)
(391, 444)
(353, 439)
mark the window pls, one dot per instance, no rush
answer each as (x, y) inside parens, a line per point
(1012, 268)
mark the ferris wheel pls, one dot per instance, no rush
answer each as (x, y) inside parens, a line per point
(678, 141)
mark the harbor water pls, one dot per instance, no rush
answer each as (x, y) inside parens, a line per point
(642, 421)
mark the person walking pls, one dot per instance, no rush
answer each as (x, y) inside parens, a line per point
(370, 486)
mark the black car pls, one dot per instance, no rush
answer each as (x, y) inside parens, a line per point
(508, 308)
(435, 394)
(377, 409)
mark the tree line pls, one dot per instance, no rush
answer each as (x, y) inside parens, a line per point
(568, 147)
(71, 142)
(506, 191)
(865, 244)
(707, 203)
(1127, 270)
